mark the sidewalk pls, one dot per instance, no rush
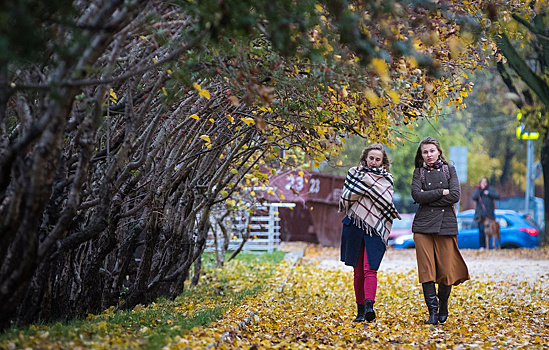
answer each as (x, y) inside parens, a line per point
(510, 265)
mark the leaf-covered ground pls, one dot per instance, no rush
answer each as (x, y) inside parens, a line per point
(309, 304)
(153, 326)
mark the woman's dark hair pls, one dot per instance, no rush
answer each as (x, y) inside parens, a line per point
(385, 162)
(428, 141)
(487, 181)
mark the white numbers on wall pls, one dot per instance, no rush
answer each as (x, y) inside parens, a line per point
(295, 182)
(315, 186)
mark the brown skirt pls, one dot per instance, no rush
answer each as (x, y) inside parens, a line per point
(439, 259)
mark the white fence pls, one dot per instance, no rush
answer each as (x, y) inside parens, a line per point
(264, 230)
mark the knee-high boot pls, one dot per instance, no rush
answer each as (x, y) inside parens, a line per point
(430, 294)
(443, 296)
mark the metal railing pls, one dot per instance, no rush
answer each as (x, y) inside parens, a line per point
(264, 230)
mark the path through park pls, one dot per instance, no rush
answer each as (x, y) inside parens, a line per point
(308, 303)
(311, 305)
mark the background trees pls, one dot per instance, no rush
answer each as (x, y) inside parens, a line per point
(487, 127)
(124, 124)
(517, 35)
(522, 38)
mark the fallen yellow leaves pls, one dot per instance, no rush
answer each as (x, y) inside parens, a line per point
(310, 307)
(155, 325)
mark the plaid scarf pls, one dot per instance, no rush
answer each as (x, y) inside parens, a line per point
(367, 198)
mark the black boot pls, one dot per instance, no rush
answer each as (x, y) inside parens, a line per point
(369, 312)
(443, 295)
(361, 313)
(430, 294)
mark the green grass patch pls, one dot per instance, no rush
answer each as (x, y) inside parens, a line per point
(153, 326)
(208, 259)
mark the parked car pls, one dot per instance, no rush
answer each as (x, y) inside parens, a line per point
(404, 241)
(516, 231)
(537, 208)
(401, 227)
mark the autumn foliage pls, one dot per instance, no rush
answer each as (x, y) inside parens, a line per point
(132, 125)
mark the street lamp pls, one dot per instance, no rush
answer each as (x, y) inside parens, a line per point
(529, 137)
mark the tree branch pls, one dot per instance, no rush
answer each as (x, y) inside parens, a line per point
(540, 88)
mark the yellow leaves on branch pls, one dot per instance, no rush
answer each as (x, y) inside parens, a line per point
(202, 92)
(394, 96)
(112, 96)
(380, 67)
(372, 97)
(205, 138)
(248, 120)
(456, 47)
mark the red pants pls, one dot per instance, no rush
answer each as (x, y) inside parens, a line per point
(365, 279)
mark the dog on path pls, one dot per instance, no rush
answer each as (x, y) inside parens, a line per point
(491, 229)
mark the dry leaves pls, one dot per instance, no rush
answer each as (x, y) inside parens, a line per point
(310, 305)
(313, 307)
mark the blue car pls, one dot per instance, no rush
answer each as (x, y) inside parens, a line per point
(516, 231)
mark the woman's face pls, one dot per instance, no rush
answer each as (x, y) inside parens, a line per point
(430, 153)
(374, 159)
(483, 183)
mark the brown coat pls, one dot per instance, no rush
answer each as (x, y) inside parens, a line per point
(436, 214)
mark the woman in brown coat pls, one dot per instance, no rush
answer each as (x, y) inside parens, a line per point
(435, 186)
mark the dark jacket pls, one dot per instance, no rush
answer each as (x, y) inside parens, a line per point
(436, 214)
(488, 200)
(352, 238)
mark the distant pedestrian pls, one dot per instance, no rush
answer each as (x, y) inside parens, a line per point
(485, 196)
(435, 186)
(367, 201)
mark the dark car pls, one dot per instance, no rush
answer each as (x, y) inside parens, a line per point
(516, 231)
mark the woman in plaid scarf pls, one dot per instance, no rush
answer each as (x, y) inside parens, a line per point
(367, 200)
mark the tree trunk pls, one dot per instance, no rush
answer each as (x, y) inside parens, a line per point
(545, 167)
(197, 270)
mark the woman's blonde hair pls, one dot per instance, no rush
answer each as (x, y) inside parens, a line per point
(385, 163)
